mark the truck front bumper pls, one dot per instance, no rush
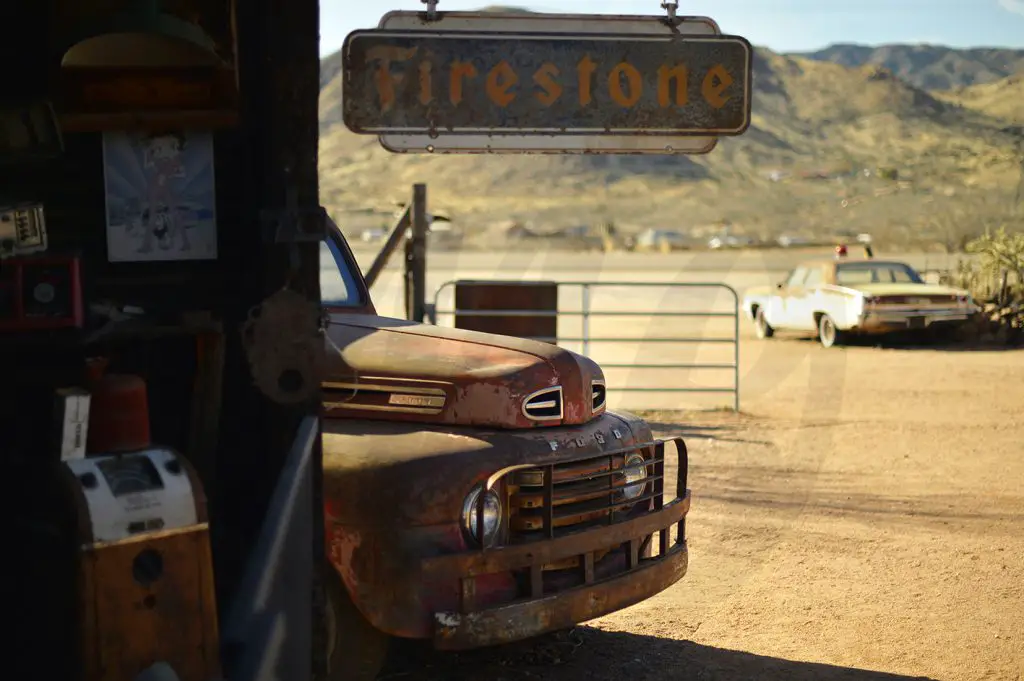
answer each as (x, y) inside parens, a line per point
(616, 581)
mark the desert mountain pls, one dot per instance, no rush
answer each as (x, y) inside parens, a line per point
(1002, 99)
(930, 67)
(837, 139)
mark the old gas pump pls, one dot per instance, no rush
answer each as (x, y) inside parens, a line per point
(144, 575)
(135, 509)
(144, 572)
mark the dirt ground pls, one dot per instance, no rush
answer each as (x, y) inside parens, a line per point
(861, 520)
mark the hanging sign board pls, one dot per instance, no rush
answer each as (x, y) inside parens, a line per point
(545, 83)
(498, 143)
(530, 22)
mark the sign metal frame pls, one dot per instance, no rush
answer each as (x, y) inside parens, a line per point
(513, 143)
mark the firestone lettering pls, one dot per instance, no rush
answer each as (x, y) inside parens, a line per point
(623, 82)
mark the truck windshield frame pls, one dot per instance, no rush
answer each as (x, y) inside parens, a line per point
(337, 261)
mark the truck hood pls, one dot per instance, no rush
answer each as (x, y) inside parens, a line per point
(394, 369)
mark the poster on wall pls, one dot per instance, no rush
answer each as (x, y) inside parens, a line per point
(161, 201)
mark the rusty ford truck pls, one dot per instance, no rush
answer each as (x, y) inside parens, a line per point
(476, 489)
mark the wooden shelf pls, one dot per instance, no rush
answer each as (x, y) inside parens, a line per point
(114, 333)
(96, 99)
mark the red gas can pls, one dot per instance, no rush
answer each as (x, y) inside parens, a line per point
(119, 412)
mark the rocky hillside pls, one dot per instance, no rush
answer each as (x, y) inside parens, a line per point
(825, 127)
(931, 67)
(1002, 99)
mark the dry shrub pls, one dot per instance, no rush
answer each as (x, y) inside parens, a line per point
(1000, 254)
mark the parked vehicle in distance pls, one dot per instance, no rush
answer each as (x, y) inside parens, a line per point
(370, 236)
(476, 488)
(730, 241)
(662, 240)
(842, 297)
(795, 241)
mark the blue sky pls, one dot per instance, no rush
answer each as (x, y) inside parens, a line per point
(782, 25)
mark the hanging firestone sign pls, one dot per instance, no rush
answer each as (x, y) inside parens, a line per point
(460, 82)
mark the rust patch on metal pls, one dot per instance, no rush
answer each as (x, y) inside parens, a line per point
(484, 378)
(529, 618)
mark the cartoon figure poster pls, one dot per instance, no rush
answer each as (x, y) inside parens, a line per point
(161, 202)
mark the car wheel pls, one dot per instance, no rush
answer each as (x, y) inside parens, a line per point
(761, 326)
(356, 651)
(828, 334)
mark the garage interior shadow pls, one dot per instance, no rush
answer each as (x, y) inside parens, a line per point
(589, 654)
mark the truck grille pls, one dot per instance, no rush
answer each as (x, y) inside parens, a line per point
(550, 501)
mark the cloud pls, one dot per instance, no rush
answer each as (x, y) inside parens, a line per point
(1014, 6)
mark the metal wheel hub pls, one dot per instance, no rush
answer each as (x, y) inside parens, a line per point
(828, 331)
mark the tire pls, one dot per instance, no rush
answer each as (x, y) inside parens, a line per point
(828, 334)
(762, 328)
(356, 651)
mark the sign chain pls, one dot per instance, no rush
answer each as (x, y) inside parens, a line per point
(671, 7)
(431, 9)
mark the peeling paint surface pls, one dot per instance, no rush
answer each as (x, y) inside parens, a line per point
(486, 377)
(447, 619)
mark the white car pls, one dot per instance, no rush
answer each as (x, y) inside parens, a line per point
(839, 298)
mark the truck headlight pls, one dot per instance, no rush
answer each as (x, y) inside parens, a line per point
(492, 516)
(634, 475)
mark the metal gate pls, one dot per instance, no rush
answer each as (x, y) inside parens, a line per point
(588, 314)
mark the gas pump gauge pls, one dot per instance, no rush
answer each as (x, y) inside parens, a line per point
(131, 494)
(130, 475)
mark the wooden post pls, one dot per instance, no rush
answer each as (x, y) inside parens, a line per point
(416, 258)
(395, 236)
(267, 167)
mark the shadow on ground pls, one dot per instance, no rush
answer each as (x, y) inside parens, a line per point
(668, 427)
(588, 654)
(903, 341)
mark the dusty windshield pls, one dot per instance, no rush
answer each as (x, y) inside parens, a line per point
(855, 453)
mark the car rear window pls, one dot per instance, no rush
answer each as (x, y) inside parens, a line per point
(853, 274)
